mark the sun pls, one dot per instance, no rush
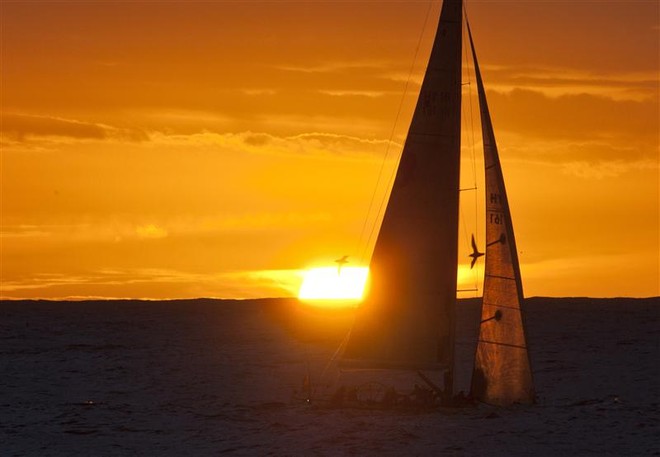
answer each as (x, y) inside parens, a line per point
(333, 283)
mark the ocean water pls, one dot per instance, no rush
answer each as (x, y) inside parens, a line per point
(209, 377)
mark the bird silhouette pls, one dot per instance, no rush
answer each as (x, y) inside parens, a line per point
(475, 253)
(340, 263)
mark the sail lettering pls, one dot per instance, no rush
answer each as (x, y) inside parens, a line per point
(495, 199)
(430, 103)
(435, 102)
(495, 218)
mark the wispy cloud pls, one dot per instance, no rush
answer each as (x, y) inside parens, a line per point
(169, 116)
(599, 136)
(27, 127)
(49, 133)
(258, 92)
(44, 281)
(609, 169)
(556, 82)
(580, 116)
(20, 126)
(635, 154)
(338, 67)
(312, 143)
(157, 282)
(150, 231)
(414, 79)
(352, 93)
(118, 231)
(23, 127)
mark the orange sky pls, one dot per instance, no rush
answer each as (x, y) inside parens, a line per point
(186, 149)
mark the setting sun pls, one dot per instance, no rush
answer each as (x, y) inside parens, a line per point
(332, 283)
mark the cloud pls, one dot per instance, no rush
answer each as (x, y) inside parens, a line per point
(585, 117)
(48, 283)
(555, 82)
(337, 67)
(183, 228)
(414, 79)
(150, 231)
(634, 154)
(24, 230)
(153, 283)
(185, 117)
(603, 169)
(307, 144)
(258, 92)
(352, 93)
(551, 82)
(49, 133)
(24, 127)
(20, 126)
(278, 282)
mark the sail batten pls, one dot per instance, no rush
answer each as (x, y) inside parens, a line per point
(501, 277)
(499, 305)
(497, 343)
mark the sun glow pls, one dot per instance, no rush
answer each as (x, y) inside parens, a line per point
(332, 283)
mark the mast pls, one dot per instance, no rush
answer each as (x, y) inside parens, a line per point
(502, 373)
(407, 317)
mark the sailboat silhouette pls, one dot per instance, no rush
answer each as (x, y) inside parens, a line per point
(407, 318)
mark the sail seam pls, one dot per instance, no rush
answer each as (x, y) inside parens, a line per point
(431, 134)
(499, 277)
(438, 70)
(503, 344)
(502, 306)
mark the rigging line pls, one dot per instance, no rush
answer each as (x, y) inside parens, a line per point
(473, 148)
(470, 94)
(334, 357)
(464, 225)
(462, 219)
(362, 251)
(308, 373)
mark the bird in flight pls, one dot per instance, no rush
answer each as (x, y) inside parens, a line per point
(475, 253)
(340, 263)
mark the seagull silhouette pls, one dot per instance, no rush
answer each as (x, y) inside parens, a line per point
(340, 263)
(475, 253)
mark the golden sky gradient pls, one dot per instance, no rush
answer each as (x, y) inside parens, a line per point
(184, 149)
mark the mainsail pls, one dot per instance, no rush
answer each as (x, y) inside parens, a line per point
(407, 317)
(502, 373)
